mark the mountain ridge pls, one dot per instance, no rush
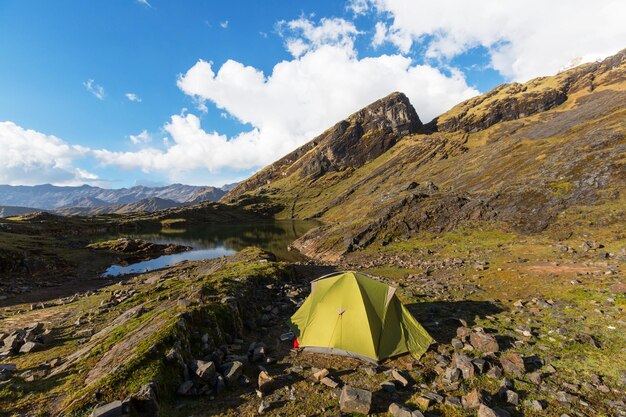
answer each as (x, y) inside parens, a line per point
(50, 197)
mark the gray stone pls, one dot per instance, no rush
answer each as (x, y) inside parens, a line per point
(355, 400)
(464, 363)
(510, 397)
(533, 405)
(433, 396)
(145, 402)
(484, 411)
(453, 401)
(479, 364)
(30, 347)
(456, 343)
(112, 409)
(452, 374)
(397, 410)
(565, 397)
(534, 377)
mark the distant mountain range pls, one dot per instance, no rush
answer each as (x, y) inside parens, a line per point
(88, 200)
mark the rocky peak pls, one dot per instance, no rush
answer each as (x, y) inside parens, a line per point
(352, 142)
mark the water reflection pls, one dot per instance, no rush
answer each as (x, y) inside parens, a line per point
(212, 241)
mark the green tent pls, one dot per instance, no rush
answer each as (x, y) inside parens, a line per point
(348, 313)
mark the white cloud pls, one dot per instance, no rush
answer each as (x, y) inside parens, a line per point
(142, 138)
(224, 24)
(380, 34)
(95, 89)
(303, 35)
(293, 104)
(30, 157)
(145, 3)
(358, 7)
(525, 39)
(133, 97)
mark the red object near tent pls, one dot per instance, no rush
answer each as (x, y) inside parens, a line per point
(296, 345)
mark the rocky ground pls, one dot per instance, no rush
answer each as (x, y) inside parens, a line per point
(523, 327)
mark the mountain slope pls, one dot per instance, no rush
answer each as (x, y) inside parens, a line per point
(517, 156)
(52, 197)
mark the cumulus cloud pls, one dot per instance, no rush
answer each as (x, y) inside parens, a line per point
(141, 138)
(297, 101)
(224, 24)
(133, 97)
(95, 89)
(30, 157)
(524, 39)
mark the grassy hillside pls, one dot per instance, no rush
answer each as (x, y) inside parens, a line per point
(516, 156)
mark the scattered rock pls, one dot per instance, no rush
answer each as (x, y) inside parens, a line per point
(329, 382)
(464, 363)
(205, 370)
(145, 402)
(265, 382)
(484, 411)
(355, 400)
(112, 409)
(534, 377)
(510, 397)
(397, 410)
(513, 364)
(533, 405)
(400, 378)
(484, 342)
(473, 399)
(232, 372)
(263, 407)
(318, 375)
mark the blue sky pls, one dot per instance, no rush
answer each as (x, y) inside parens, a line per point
(219, 89)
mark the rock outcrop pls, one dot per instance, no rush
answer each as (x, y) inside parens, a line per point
(360, 138)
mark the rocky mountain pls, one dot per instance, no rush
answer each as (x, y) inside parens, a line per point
(145, 205)
(50, 197)
(519, 156)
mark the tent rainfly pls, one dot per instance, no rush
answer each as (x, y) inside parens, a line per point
(351, 314)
